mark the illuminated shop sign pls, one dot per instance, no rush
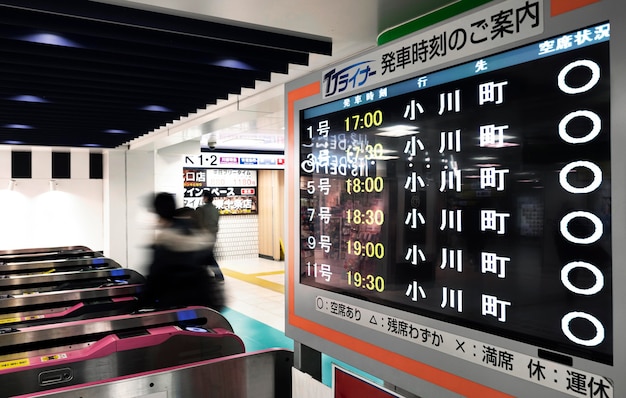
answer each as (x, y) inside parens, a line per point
(234, 191)
(227, 160)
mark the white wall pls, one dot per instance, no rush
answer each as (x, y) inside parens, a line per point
(115, 228)
(169, 175)
(31, 215)
(34, 216)
(111, 215)
(140, 189)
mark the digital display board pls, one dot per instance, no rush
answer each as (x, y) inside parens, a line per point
(479, 195)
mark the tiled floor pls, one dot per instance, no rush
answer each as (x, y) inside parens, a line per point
(255, 307)
(255, 287)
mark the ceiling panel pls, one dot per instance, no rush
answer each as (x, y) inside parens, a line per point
(81, 73)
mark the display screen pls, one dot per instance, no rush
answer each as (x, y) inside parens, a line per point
(478, 195)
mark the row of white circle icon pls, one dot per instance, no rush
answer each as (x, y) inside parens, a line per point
(596, 181)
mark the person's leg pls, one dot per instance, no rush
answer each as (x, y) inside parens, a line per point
(214, 267)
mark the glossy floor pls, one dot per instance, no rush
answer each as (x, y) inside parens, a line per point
(255, 304)
(255, 288)
(255, 307)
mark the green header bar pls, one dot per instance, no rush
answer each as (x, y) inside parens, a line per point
(429, 19)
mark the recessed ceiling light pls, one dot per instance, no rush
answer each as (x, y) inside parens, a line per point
(156, 108)
(233, 64)
(116, 131)
(50, 38)
(18, 126)
(28, 98)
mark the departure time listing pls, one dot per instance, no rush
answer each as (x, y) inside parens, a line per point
(472, 200)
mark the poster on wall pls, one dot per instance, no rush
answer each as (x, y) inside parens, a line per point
(234, 190)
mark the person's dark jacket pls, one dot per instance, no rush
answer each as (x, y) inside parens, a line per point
(176, 276)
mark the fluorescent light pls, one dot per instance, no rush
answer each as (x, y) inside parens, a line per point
(385, 157)
(398, 130)
(503, 145)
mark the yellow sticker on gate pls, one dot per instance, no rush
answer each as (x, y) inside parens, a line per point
(9, 320)
(33, 317)
(53, 357)
(14, 364)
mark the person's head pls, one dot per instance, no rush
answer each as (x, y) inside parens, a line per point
(207, 196)
(188, 215)
(184, 212)
(164, 205)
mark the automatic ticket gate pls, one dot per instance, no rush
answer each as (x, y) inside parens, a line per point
(16, 285)
(58, 265)
(68, 305)
(46, 254)
(38, 250)
(259, 374)
(41, 358)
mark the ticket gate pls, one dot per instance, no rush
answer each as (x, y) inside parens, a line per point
(68, 305)
(58, 265)
(15, 285)
(260, 374)
(44, 254)
(38, 250)
(44, 357)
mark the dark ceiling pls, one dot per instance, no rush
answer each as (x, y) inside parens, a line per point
(78, 73)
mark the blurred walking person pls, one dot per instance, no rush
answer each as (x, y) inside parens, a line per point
(208, 216)
(177, 276)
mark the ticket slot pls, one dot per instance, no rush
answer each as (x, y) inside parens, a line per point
(56, 265)
(49, 256)
(56, 376)
(29, 284)
(87, 309)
